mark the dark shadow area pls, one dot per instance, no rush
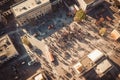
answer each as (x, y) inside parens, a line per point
(19, 47)
(55, 62)
(18, 43)
(69, 75)
(6, 5)
(48, 24)
(110, 75)
(1, 25)
(117, 67)
(91, 75)
(14, 69)
(48, 76)
(18, 67)
(101, 10)
(38, 51)
(70, 2)
(118, 40)
(67, 55)
(31, 70)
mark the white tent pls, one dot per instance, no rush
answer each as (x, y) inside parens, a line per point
(95, 55)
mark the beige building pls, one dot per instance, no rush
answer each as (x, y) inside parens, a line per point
(30, 9)
(95, 60)
(7, 49)
(103, 67)
(89, 4)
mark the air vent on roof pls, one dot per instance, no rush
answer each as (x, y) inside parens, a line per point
(38, 1)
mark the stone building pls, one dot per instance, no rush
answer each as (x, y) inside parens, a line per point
(30, 9)
(7, 49)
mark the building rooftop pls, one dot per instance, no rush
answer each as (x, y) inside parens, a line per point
(7, 49)
(115, 34)
(89, 1)
(39, 77)
(88, 62)
(26, 6)
(95, 55)
(103, 67)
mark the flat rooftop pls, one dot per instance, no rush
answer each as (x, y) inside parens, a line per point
(26, 6)
(115, 34)
(89, 1)
(39, 75)
(88, 62)
(7, 49)
(103, 67)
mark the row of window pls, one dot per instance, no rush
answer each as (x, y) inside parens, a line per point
(35, 14)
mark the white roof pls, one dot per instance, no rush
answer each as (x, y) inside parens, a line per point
(115, 34)
(77, 67)
(103, 67)
(39, 77)
(26, 6)
(95, 55)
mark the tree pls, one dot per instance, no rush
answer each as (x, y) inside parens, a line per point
(102, 31)
(79, 15)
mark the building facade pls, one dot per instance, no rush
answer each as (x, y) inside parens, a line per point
(30, 9)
